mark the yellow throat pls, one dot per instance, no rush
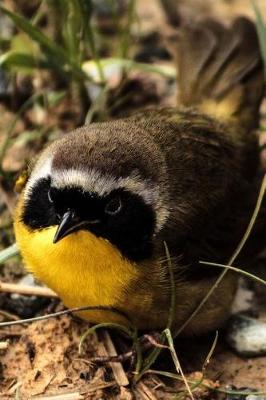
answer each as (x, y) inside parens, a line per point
(82, 269)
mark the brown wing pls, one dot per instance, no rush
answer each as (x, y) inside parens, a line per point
(220, 70)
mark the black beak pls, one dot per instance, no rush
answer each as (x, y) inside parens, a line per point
(66, 226)
(71, 223)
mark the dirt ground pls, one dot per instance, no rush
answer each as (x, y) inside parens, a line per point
(41, 360)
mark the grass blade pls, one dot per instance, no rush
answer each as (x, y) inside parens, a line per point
(126, 34)
(176, 361)
(210, 353)
(152, 357)
(261, 29)
(238, 270)
(205, 385)
(13, 59)
(56, 55)
(35, 34)
(109, 325)
(117, 65)
(72, 29)
(9, 252)
(89, 36)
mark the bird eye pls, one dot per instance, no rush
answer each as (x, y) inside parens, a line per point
(113, 206)
(49, 197)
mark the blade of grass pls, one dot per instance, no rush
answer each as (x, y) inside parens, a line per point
(232, 258)
(176, 361)
(35, 34)
(21, 60)
(72, 30)
(56, 54)
(126, 33)
(137, 346)
(9, 252)
(209, 355)
(205, 385)
(261, 29)
(98, 105)
(131, 333)
(172, 309)
(238, 270)
(89, 36)
(110, 325)
(151, 358)
(109, 64)
(206, 363)
(39, 14)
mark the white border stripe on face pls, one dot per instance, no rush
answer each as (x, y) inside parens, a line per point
(96, 182)
(42, 170)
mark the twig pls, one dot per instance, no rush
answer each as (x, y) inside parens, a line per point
(13, 389)
(146, 341)
(27, 290)
(12, 334)
(8, 315)
(114, 359)
(94, 388)
(154, 342)
(117, 368)
(59, 313)
(145, 392)
(64, 396)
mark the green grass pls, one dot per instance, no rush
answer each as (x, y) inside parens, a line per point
(8, 253)
(261, 29)
(65, 56)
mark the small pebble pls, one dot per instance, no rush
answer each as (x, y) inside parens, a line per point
(247, 336)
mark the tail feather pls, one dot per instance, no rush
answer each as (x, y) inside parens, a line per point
(220, 70)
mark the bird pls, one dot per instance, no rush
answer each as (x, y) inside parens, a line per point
(99, 205)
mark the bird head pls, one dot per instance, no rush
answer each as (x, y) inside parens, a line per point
(104, 183)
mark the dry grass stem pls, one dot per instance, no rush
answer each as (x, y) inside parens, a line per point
(27, 290)
(64, 396)
(144, 392)
(117, 368)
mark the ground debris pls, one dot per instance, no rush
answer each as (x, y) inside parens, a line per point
(38, 359)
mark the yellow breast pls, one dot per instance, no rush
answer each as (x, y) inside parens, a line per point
(82, 269)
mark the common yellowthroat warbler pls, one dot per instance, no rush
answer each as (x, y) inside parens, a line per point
(99, 204)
